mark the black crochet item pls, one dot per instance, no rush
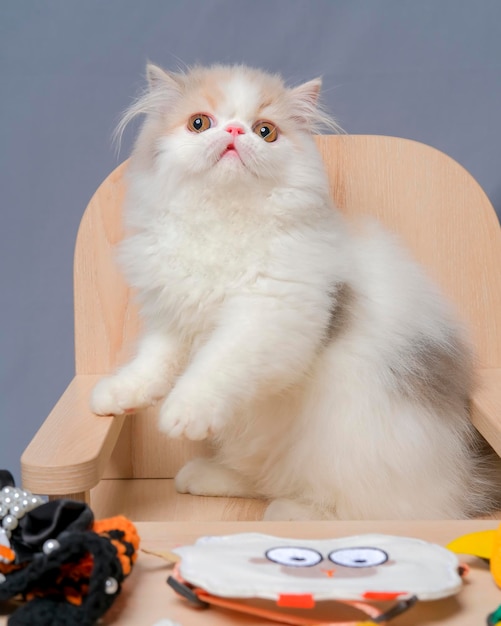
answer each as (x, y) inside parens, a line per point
(45, 569)
(47, 522)
(68, 567)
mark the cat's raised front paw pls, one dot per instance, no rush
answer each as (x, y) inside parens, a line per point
(192, 416)
(121, 393)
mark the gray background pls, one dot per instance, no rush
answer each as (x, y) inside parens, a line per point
(429, 70)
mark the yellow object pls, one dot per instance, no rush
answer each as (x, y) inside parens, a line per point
(479, 544)
(495, 561)
(485, 544)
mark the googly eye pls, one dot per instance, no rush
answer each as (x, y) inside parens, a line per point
(266, 130)
(358, 557)
(294, 557)
(199, 122)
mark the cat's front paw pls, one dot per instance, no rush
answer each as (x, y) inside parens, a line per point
(124, 393)
(193, 416)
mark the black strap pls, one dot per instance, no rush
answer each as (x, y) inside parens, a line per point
(6, 479)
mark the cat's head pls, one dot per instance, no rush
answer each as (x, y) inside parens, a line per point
(227, 125)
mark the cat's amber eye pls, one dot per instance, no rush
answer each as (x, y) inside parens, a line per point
(266, 130)
(199, 122)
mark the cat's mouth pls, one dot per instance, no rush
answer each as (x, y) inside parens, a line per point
(230, 151)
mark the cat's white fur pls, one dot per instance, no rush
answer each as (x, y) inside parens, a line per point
(296, 343)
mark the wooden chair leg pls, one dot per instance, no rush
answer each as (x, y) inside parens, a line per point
(82, 496)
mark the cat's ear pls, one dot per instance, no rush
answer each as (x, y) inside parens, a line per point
(304, 103)
(307, 93)
(163, 89)
(160, 79)
(306, 109)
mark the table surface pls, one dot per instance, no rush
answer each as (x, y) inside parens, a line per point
(146, 599)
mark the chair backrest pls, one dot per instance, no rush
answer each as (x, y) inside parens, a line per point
(436, 207)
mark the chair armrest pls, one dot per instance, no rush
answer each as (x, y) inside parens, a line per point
(486, 406)
(70, 451)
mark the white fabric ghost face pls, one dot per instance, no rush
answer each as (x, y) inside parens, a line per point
(364, 567)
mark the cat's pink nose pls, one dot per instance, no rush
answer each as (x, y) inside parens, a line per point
(234, 129)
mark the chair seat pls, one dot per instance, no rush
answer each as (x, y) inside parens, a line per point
(156, 499)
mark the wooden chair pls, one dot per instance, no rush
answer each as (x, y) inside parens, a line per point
(436, 207)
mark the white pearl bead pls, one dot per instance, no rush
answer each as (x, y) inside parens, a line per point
(50, 545)
(9, 522)
(22, 505)
(17, 494)
(110, 586)
(25, 503)
(3, 510)
(16, 511)
(34, 502)
(7, 490)
(8, 500)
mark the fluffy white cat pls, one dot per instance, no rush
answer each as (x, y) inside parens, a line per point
(326, 369)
